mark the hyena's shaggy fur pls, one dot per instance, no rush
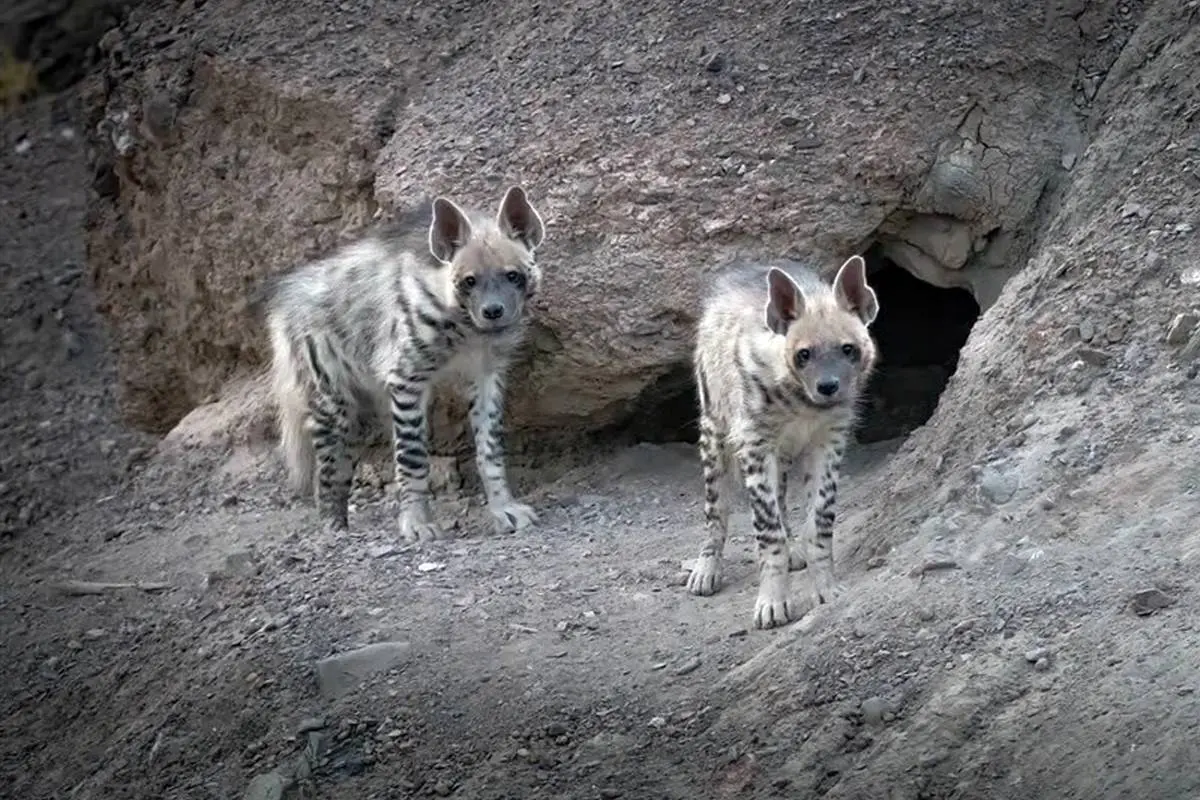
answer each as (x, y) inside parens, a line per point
(780, 362)
(362, 337)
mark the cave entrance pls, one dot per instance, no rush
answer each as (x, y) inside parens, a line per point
(919, 332)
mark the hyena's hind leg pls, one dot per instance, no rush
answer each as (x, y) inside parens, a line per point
(715, 461)
(329, 422)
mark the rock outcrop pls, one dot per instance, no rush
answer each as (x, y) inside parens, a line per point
(233, 142)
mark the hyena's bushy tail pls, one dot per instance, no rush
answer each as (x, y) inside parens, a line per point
(291, 391)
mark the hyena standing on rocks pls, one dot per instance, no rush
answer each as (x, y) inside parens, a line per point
(779, 381)
(362, 336)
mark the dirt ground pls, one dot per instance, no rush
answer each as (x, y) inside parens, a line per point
(1020, 621)
(532, 666)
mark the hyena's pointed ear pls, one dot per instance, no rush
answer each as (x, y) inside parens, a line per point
(519, 219)
(852, 292)
(785, 301)
(448, 231)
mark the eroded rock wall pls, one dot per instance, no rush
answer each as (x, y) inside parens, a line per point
(233, 141)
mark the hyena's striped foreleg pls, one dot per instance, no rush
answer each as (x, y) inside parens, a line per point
(409, 390)
(822, 463)
(796, 559)
(329, 426)
(705, 577)
(487, 424)
(760, 472)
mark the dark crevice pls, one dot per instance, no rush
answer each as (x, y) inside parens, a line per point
(919, 332)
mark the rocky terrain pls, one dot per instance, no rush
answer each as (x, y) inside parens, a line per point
(1020, 563)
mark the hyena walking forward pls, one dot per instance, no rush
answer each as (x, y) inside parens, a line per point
(362, 337)
(778, 384)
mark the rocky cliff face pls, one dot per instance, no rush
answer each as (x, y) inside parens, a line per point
(234, 141)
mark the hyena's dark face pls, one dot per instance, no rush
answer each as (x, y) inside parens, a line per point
(491, 266)
(830, 357)
(829, 349)
(494, 297)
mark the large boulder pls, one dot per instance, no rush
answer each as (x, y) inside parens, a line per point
(657, 139)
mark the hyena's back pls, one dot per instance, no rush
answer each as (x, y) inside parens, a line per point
(335, 310)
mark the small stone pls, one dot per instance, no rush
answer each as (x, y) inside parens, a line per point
(998, 486)
(1090, 355)
(1148, 601)
(311, 724)
(1181, 328)
(715, 62)
(1036, 654)
(383, 550)
(338, 674)
(657, 722)
(713, 227)
(611, 794)
(789, 120)
(555, 729)
(925, 614)
(269, 786)
(430, 566)
(873, 709)
(724, 99)
(95, 633)
(443, 789)
(1087, 330)
(689, 666)
(1042, 664)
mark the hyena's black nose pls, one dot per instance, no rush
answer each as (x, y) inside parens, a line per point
(493, 311)
(828, 388)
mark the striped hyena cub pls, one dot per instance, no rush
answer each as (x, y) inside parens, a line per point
(361, 337)
(781, 359)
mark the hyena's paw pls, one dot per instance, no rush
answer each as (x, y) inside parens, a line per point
(334, 520)
(418, 526)
(796, 559)
(773, 607)
(705, 577)
(512, 516)
(822, 587)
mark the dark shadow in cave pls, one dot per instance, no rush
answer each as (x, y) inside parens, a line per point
(667, 410)
(919, 332)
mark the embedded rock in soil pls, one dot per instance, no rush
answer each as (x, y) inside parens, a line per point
(233, 142)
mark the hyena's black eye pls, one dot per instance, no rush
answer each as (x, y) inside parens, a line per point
(515, 278)
(802, 356)
(467, 282)
(851, 352)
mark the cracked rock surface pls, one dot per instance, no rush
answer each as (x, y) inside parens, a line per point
(254, 140)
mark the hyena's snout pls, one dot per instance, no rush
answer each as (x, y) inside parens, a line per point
(493, 311)
(829, 387)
